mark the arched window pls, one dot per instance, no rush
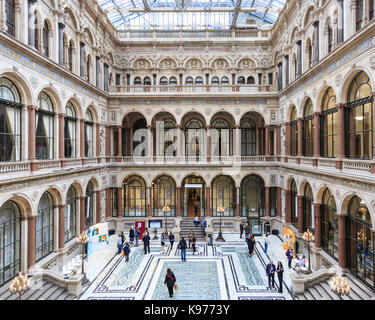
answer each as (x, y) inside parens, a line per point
(134, 197)
(329, 224)
(163, 194)
(44, 227)
(36, 32)
(194, 138)
(308, 210)
(308, 129)
(139, 124)
(70, 131)
(293, 133)
(46, 39)
(329, 125)
(70, 56)
(88, 67)
(250, 80)
(248, 138)
(224, 81)
(220, 138)
(10, 241)
(167, 132)
(10, 15)
(198, 81)
(361, 245)
(359, 124)
(223, 193)
(10, 121)
(215, 81)
(294, 203)
(44, 127)
(241, 80)
(137, 81)
(147, 81)
(193, 192)
(89, 134)
(163, 81)
(329, 38)
(189, 81)
(89, 205)
(173, 81)
(359, 14)
(70, 214)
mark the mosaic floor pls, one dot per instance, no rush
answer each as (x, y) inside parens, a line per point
(223, 271)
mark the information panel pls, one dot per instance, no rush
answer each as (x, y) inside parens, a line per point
(98, 237)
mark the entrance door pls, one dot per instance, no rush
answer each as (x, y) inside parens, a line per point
(193, 196)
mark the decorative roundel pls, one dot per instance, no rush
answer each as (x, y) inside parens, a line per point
(35, 195)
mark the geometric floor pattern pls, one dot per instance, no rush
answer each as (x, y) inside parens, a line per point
(223, 271)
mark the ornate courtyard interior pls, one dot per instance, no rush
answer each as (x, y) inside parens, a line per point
(113, 111)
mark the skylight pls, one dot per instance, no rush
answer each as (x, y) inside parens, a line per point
(191, 14)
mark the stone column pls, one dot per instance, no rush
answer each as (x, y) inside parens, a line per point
(97, 125)
(267, 192)
(108, 203)
(316, 43)
(238, 201)
(342, 235)
(279, 203)
(179, 151)
(119, 144)
(31, 140)
(299, 53)
(278, 141)
(178, 202)
(287, 139)
(238, 143)
(288, 212)
(208, 143)
(61, 240)
(61, 43)
(340, 21)
(150, 151)
(98, 207)
(61, 139)
(30, 242)
(267, 141)
(318, 225)
(119, 202)
(316, 138)
(300, 137)
(366, 13)
(81, 59)
(208, 202)
(108, 143)
(82, 207)
(300, 214)
(341, 135)
(82, 138)
(149, 206)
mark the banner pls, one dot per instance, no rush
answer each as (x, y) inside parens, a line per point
(98, 237)
(289, 239)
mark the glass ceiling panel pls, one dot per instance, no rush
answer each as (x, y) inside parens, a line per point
(190, 14)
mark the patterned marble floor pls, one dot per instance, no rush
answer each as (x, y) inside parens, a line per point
(223, 271)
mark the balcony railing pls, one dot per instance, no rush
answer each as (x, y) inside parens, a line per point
(356, 166)
(7, 168)
(194, 89)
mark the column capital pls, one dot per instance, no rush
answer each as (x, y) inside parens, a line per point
(149, 126)
(60, 205)
(178, 127)
(82, 120)
(62, 115)
(237, 126)
(208, 127)
(32, 107)
(340, 105)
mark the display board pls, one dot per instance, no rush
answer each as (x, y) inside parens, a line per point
(98, 237)
(289, 239)
(156, 224)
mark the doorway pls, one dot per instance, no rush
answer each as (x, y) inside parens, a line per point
(193, 192)
(193, 196)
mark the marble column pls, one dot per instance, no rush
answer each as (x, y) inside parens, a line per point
(119, 144)
(179, 151)
(82, 207)
(316, 138)
(98, 207)
(61, 240)
(288, 212)
(238, 201)
(300, 137)
(208, 202)
(61, 27)
(119, 202)
(31, 135)
(299, 54)
(82, 138)
(149, 206)
(267, 192)
(150, 151)
(267, 141)
(278, 141)
(341, 135)
(279, 203)
(108, 203)
(238, 143)
(342, 235)
(31, 242)
(316, 42)
(208, 143)
(81, 59)
(318, 225)
(61, 139)
(340, 21)
(300, 213)
(287, 139)
(108, 143)
(178, 202)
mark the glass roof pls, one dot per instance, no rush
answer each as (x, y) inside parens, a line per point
(191, 14)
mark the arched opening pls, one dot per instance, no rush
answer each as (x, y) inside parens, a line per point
(329, 224)
(308, 209)
(137, 81)
(10, 121)
(359, 117)
(250, 80)
(215, 81)
(10, 241)
(89, 205)
(329, 125)
(360, 249)
(252, 134)
(89, 134)
(223, 193)
(70, 131)
(308, 129)
(241, 80)
(147, 81)
(44, 127)
(10, 16)
(134, 197)
(45, 33)
(163, 194)
(221, 138)
(70, 214)
(134, 135)
(163, 81)
(166, 135)
(44, 227)
(172, 81)
(193, 193)
(198, 81)
(195, 136)
(189, 81)
(294, 203)
(293, 132)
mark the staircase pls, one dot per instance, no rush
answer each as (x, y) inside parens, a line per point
(186, 225)
(322, 291)
(43, 290)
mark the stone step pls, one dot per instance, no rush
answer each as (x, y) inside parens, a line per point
(315, 293)
(46, 294)
(301, 297)
(361, 289)
(59, 291)
(70, 297)
(327, 288)
(308, 295)
(322, 292)
(36, 291)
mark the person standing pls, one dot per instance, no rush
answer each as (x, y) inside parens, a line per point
(162, 241)
(289, 255)
(193, 241)
(131, 235)
(170, 281)
(119, 243)
(249, 246)
(122, 236)
(241, 229)
(196, 207)
(190, 237)
(171, 240)
(247, 230)
(203, 225)
(266, 243)
(182, 247)
(126, 251)
(252, 245)
(270, 271)
(137, 233)
(146, 242)
(280, 272)
(196, 221)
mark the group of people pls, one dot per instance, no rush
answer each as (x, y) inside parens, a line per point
(270, 271)
(164, 237)
(123, 246)
(203, 224)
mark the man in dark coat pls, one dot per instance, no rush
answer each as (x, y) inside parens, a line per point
(170, 280)
(203, 225)
(146, 242)
(182, 247)
(270, 271)
(241, 229)
(126, 251)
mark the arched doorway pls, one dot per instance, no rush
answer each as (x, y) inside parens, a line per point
(294, 203)
(44, 227)
(89, 214)
(308, 210)
(163, 194)
(134, 197)
(253, 201)
(193, 190)
(360, 249)
(329, 224)
(223, 193)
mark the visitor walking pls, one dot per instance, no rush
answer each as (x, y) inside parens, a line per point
(241, 229)
(251, 241)
(196, 221)
(203, 225)
(247, 230)
(122, 236)
(196, 207)
(162, 241)
(191, 234)
(280, 272)
(131, 235)
(126, 250)
(182, 247)
(171, 240)
(119, 243)
(137, 233)
(289, 255)
(193, 241)
(266, 243)
(146, 242)
(170, 281)
(270, 271)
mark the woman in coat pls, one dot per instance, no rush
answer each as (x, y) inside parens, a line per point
(163, 241)
(280, 272)
(126, 250)
(170, 281)
(131, 235)
(171, 240)
(193, 241)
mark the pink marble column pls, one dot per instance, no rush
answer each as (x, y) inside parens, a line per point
(300, 214)
(61, 241)
(30, 242)
(31, 135)
(342, 233)
(316, 138)
(119, 202)
(61, 140)
(267, 192)
(341, 134)
(318, 225)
